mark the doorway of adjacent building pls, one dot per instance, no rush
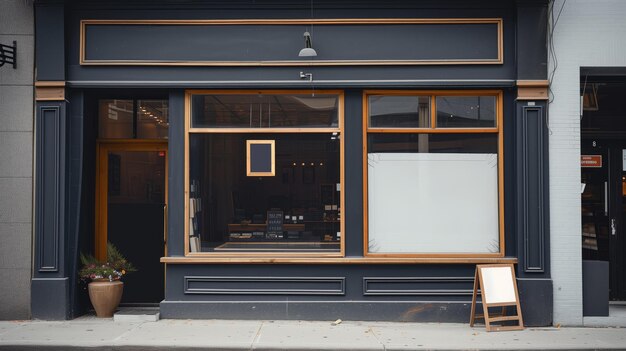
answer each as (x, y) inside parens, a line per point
(603, 177)
(131, 205)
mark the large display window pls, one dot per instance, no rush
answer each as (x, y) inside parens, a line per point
(264, 173)
(433, 174)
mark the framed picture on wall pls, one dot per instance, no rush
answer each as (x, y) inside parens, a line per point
(260, 158)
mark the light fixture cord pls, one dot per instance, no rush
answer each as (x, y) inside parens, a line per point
(311, 36)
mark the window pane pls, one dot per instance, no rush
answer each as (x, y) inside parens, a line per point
(433, 193)
(434, 143)
(115, 119)
(399, 111)
(466, 111)
(297, 210)
(264, 111)
(152, 119)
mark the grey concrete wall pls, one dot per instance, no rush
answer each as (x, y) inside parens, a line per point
(16, 160)
(587, 34)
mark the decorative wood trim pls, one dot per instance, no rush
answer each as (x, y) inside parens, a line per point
(49, 90)
(432, 130)
(434, 93)
(50, 83)
(103, 147)
(262, 255)
(416, 280)
(253, 283)
(533, 83)
(347, 21)
(532, 89)
(337, 260)
(263, 130)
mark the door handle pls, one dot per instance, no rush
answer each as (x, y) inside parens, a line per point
(613, 230)
(165, 224)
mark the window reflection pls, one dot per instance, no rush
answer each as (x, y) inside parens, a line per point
(296, 210)
(115, 119)
(433, 143)
(133, 119)
(466, 111)
(152, 119)
(264, 111)
(399, 111)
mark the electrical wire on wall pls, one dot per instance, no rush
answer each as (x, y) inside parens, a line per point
(550, 42)
(552, 52)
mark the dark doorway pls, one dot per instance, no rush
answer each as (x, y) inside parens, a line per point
(131, 212)
(603, 177)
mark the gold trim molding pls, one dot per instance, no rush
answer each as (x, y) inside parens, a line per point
(49, 91)
(338, 260)
(532, 89)
(369, 21)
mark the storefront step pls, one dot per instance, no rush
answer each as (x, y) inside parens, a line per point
(137, 314)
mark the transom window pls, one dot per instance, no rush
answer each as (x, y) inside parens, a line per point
(133, 119)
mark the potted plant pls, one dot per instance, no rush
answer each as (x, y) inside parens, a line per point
(105, 285)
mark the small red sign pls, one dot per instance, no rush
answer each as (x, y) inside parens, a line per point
(591, 161)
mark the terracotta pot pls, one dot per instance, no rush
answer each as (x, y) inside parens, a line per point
(105, 296)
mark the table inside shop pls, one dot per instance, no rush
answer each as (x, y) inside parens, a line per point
(274, 244)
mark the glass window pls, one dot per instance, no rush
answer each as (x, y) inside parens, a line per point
(429, 191)
(133, 119)
(466, 111)
(435, 143)
(152, 119)
(260, 191)
(298, 209)
(399, 111)
(265, 111)
(115, 119)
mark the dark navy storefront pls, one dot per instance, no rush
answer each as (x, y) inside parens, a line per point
(92, 57)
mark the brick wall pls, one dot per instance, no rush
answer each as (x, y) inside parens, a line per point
(587, 34)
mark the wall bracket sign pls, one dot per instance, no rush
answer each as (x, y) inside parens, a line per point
(591, 161)
(8, 54)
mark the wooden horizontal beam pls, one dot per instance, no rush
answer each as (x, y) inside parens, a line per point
(532, 89)
(49, 90)
(334, 260)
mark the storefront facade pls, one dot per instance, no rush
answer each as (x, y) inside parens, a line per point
(248, 179)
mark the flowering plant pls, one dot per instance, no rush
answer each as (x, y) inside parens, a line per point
(114, 268)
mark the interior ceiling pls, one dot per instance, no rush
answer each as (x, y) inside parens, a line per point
(604, 111)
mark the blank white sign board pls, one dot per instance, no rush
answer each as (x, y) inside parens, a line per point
(497, 285)
(433, 203)
(497, 289)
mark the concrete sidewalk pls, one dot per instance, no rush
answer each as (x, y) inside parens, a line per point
(105, 334)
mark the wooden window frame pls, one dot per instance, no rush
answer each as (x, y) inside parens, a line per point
(267, 257)
(498, 129)
(272, 144)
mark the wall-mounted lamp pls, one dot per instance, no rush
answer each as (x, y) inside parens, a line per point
(308, 50)
(8, 54)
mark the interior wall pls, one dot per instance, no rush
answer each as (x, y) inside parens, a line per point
(587, 34)
(16, 160)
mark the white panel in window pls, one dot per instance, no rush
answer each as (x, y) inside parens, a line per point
(433, 203)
